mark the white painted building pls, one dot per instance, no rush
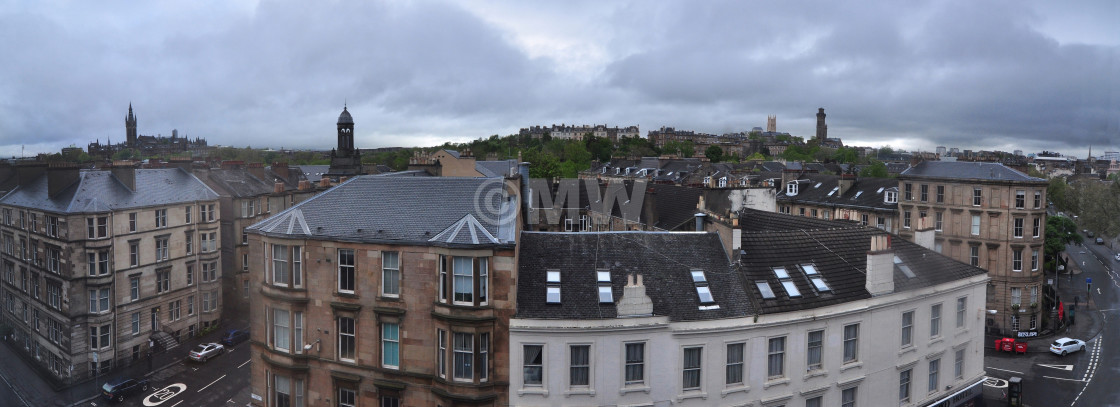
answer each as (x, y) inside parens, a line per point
(699, 330)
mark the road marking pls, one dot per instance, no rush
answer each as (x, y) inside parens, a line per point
(212, 383)
(25, 403)
(1004, 370)
(995, 382)
(243, 364)
(1093, 359)
(177, 403)
(1068, 368)
(1046, 377)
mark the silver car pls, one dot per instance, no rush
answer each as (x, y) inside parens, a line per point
(1067, 345)
(204, 352)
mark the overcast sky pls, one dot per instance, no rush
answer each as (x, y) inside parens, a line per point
(1008, 75)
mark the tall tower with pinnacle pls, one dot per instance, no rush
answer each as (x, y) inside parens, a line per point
(772, 123)
(345, 133)
(822, 129)
(346, 161)
(130, 127)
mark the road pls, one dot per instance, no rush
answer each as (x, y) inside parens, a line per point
(221, 381)
(1082, 378)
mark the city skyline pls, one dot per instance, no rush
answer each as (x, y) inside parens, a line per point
(1007, 76)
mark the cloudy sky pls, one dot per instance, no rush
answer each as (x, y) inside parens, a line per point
(1027, 75)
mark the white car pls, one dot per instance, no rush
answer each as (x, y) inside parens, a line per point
(204, 352)
(1067, 345)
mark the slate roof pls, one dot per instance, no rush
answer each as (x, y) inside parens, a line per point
(239, 183)
(99, 191)
(313, 173)
(867, 193)
(500, 168)
(390, 208)
(838, 251)
(966, 170)
(665, 260)
(672, 205)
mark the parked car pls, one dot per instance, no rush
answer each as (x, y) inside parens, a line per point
(234, 336)
(205, 351)
(1100, 240)
(1088, 233)
(1067, 345)
(1117, 256)
(121, 387)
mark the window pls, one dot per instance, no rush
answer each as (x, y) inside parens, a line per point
(1037, 199)
(815, 346)
(691, 378)
(390, 345)
(99, 300)
(97, 227)
(939, 217)
(134, 253)
(280, 265)
(390, 274)
(976, 225)
(163, 281)
(881, 222)
(245, 262)
(962, 303)
(906, 219)
(776, 358)
(281, 336)
(848, 397)
(890, 197)
(958, 364)
(702, 290)
(346, 339)
(54, 295)
(98, 263)
(441, 352)
(190, 274)
(161, 218)
(283, 392)
(244, 236)
(1020, 199)
(579, 369)
(206, 213)
(54, 256)
(346, 271)
(1034, 260)
(188, 241)
(1016, 260)
(974, 255)
(907, 328)
(1016, 295)
(814, 277)
(99, 336)
(814, 402)
(187, 214)
(603, 278)
(484, 356)
(209, 301)
(190, 305)
(791, 188)
(1018, 229)
(934, 374)
(174, 310)
(635, 363)
(977, 194)
(787, 282)
(925, 192)
(533, 364)
(209, 242)
(136, 323)
(162, 247)
(1037, 227)
(908, 191)
(863, 219)
(1014, 322)
(935, 320)
(734, 370)
(131, 222)
(347, 397)
(940, 193)
(851, 343)
(52, 226)
(463, 346)
(34, 222)
(1034, 294)
(904, 385)
(463, 281)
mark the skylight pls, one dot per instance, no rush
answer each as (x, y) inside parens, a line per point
(552, 291)
(705, 294)
(791, 289)
(554, 276)
(809, 269)
(553, 295)
(702, 289)
(605, 294)
(833, 191)
(858, 193)
(764, 288)
(904, 268)
(781, 272)
(698, 276)
(818, 185)
(880, 190)
(603, 276)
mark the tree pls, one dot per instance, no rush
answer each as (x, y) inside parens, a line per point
(1060, 231)
(1099, 207)
(1059, 193)
(876, 170)
(688, 149)
(671, 147)
(846, 155)
(714, 153)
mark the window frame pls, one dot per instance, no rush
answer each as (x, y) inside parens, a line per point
(851, 343)
(735, 367)
(584, 367)
(347, 339)
(639, 379)
(346, 272)
(935, 320)
(775, 358)
(907, 325)
(537, 378)
(905, 378)
(390, 275)
(695, 382)
(818, 363)
(390, 345)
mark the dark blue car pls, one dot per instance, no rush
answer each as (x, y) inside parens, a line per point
(234, 336)
(121, 387)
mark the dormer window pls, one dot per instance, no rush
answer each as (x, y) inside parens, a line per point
(552, 291)
(723, 182)
(791, 188)
(603, 278)
(707, 180)
(787, 282)
(891, 197)
(815, 277)
(702, 289)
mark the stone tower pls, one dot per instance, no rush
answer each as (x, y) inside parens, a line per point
(345, 133)
(822, 129)
(130, 127)
(771, 123)
(346, 161)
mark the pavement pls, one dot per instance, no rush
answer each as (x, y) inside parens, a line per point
(33, 390)
(1089, 322)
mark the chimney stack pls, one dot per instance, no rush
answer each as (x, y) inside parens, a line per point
(278, 188)
(281, 170)
(700, 221)
(125, 172)
(304, 185)
(880, 266)
(736, 236)
(61, 176)
(924, 234)
(634, 301)
(846, 181)
(26, 173)
(325, 182)
(257, 169)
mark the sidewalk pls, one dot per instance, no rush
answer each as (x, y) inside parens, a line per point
(34, 390)
(1089, 320)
